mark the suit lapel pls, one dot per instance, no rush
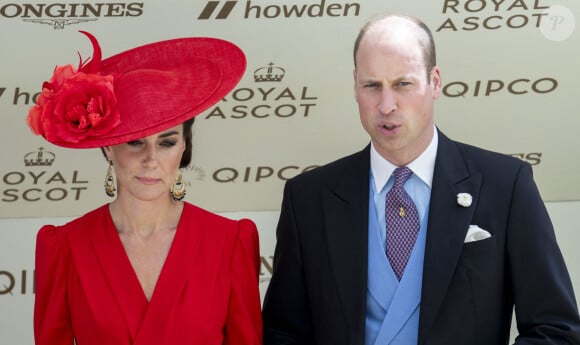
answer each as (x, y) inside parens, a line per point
(446, 230)
(345, 208)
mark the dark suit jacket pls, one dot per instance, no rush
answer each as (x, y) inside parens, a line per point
(317, 294)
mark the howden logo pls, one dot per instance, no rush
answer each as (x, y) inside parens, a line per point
(252, 10)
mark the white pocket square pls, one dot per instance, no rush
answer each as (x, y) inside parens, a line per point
(475, 233)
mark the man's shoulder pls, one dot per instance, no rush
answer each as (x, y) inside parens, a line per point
(476, 155)
(480, 156)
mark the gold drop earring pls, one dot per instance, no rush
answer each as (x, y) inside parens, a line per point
(110, 181)
(177, 190)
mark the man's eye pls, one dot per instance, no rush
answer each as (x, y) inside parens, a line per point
(372, 85)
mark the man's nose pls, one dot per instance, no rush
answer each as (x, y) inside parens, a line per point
(388, 101)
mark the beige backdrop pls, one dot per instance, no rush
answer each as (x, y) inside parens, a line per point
(509, 69)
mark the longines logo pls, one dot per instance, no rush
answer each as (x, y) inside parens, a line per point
(58, 15)
(41, 184)
(16, 283)
(267, 100)
(472, 15)
(260, 10)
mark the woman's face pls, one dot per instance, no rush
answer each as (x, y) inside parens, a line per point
(146, 168)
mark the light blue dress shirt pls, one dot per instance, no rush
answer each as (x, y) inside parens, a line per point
(393, 306)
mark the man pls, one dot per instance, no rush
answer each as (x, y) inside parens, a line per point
(481, 241)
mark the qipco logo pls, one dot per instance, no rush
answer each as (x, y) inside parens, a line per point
(16, 283)
(258, 174)
(487, 88)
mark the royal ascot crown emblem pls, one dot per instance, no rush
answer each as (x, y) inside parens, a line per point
(39, 158)
(269, 73)
(268, 98)
(41, 181)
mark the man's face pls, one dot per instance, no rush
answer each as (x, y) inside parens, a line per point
(394, 97)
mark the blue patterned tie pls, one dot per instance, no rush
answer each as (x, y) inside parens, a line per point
(402, 222)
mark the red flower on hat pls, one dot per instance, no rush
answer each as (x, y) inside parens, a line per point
(75, 105)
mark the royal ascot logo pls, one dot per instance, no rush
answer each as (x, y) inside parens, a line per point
(16, 283)
(269, 98)
(39, 182)
(261, 10)
(58, 15)
(488, 88)
(473, 15)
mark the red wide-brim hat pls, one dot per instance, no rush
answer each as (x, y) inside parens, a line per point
(136, 93)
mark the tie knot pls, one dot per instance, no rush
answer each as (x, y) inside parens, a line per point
(401, 175)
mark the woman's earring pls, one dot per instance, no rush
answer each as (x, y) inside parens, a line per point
(110, 181)
(177, 190)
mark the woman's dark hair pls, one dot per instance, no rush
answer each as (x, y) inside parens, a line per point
(188, 136)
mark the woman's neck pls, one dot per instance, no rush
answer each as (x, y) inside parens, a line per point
(145, 217)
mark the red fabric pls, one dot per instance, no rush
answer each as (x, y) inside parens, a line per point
(207, 293)
(156, 86)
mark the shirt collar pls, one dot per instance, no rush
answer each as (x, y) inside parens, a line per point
(423, 166)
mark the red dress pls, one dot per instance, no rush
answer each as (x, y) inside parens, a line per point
(207, 292)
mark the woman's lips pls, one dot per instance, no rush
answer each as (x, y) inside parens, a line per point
(148, 180)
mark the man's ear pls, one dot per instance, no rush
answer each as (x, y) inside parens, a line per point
(436, 82)
(354, 84)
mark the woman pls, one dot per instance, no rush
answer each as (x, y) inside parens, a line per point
(146, 268)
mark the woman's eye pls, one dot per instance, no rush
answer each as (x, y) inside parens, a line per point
(168, 143)
(134, 143)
